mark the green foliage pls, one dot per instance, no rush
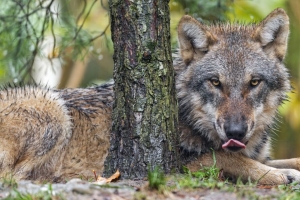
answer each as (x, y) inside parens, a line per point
(203, 10)
(207, 177)
(211, 10)
(156, 178)
(46, 194)
(8, 181)
(291, 191)
(21, 31)
(26, 25)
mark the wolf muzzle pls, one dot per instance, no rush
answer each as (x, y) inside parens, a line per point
(235, 129)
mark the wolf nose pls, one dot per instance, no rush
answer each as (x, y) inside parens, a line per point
(235, 131)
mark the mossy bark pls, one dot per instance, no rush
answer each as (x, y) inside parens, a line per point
(144, 132)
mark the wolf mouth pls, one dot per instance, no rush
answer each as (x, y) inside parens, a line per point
(233, 145)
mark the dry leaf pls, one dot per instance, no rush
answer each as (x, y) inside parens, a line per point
(114, 176)
(101, 180)
(265, 186)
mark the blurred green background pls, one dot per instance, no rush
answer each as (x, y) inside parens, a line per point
(66, 43)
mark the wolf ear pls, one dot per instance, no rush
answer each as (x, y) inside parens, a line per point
(193, 38)
(273, 33)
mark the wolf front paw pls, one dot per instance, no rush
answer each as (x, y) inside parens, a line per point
(280, 176)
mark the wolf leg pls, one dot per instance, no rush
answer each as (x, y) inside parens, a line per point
(6, 161)
(293, 163)
(237, 165)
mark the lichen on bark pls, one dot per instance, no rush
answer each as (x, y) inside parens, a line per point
(144, 131)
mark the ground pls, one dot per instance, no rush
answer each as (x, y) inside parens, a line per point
(157, 186)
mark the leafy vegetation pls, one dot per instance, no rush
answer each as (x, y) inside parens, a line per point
(45, 194)
(211, 178)
(162, 186)
(8, 181)
(27, 27)
(156, 178)
(207, 177)
(213, 10)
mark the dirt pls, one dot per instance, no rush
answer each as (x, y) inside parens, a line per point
(128, 189)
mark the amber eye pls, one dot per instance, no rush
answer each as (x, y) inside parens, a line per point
(215, 82)
(254, 82)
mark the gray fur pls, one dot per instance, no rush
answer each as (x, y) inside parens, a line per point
(235, 57)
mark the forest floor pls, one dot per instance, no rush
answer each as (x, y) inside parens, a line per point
(205, 184)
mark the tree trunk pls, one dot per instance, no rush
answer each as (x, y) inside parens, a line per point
(144, 132)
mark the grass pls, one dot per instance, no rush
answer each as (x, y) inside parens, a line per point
(210, 178)
(8, 181)
(156, 178)
(41, 195)
(207, 178)
(46, 194)
(291, 191)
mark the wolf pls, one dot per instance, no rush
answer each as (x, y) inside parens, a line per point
(230, 80)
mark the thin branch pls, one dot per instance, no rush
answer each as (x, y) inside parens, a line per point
(26, 16)
(100, 35)
(29, 64)
(53, 35)
(29, 34)
(76, 34)
(102, 5)
(82, 12)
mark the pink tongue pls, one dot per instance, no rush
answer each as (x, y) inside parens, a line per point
(233, 143)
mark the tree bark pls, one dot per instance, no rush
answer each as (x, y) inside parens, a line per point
(145, 115)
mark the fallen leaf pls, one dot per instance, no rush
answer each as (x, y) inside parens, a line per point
(114, 176)
(101, 180)
(266, 186)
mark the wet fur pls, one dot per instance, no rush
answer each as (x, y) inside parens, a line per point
(56, 135)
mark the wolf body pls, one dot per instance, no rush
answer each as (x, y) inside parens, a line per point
(230, 79)
(51, 135)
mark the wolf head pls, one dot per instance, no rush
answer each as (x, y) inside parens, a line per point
(231, 78)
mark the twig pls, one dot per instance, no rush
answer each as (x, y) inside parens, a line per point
(96, 177)
(86, 16)
(82, 11)
(100, 35)
(263, 176)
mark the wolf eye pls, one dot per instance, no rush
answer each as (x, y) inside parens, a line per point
(204, 50)
(215, 82)
(254, 82)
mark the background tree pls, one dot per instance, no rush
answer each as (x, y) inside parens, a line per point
(51, 33)
(144, 132)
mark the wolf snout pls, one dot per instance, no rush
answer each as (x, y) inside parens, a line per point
(235, 130)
